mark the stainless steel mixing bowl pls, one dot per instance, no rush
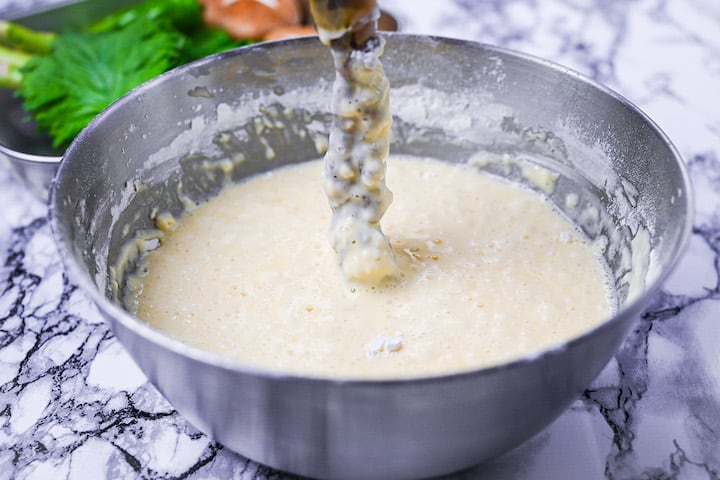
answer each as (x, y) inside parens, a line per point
(181, 137)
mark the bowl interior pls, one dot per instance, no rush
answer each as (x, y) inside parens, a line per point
(181, 138)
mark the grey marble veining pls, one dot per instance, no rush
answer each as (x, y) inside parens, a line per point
(73, 405)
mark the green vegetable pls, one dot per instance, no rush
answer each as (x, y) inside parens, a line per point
(183, 15)
(10, 65)
(66, 79)
(88, 71)
(14, 35)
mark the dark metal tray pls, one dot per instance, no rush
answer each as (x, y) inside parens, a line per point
(29, 153)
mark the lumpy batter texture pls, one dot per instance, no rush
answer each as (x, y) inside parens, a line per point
(358, 146)
(489, 272)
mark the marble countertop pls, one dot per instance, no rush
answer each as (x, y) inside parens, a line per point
(74, 405)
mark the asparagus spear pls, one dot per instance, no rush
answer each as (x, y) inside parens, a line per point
(16, 36)
(17, 44)
(11, 62)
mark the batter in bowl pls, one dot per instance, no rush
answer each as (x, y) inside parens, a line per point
(488, 272)
(473, 271)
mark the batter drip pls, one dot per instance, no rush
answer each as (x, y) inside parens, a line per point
(359, 144)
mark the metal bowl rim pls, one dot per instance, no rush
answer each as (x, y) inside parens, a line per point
(137, 326)
(30, 157)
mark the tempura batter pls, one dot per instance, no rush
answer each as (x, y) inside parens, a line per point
(359, 140)
(489, 272)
